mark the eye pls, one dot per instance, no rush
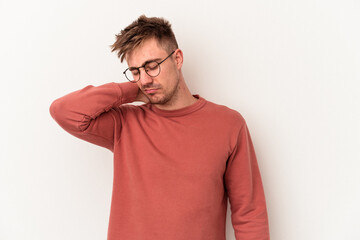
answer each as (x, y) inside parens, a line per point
(151, 66)
(134, 71)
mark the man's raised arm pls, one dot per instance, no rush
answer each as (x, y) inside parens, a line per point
(91, 113)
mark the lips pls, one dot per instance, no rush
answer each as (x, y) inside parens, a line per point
(151, 90)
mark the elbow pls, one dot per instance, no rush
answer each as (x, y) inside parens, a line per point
(53, 109)
(59, 113)
(68, 118)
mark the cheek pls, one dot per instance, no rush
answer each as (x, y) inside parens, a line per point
(167, 79)
(172, 76)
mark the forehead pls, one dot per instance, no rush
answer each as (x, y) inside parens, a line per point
(148, 50)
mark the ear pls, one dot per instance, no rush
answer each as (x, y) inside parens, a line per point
(178, 58)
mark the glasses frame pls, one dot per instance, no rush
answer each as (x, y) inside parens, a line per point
(143, 66)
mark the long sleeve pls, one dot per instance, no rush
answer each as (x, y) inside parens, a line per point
(245, 191)
(91, 113)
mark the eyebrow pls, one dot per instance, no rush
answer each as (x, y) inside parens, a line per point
(150, 60)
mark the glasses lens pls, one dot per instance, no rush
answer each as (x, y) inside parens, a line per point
(132, 74)
(152, 68)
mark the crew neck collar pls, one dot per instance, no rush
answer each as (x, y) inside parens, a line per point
(182, 111)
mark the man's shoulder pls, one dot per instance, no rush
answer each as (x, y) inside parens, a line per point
(227, 114)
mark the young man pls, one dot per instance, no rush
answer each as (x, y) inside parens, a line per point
(177, 157)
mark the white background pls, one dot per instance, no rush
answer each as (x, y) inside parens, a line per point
(290, 67)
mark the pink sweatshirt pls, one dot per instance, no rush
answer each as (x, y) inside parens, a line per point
(173, 170)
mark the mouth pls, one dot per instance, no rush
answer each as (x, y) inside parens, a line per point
(151, 90)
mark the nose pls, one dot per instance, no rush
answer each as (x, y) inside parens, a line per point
(144, 77)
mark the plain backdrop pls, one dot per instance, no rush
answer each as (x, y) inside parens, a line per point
(290, 67)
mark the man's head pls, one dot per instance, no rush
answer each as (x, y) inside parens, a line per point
(148, 39)
(142, 29)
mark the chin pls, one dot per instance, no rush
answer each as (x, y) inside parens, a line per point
(159, 99)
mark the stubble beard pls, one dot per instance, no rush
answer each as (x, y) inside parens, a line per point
(167, 96)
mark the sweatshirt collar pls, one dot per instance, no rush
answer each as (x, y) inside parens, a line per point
(182, 111)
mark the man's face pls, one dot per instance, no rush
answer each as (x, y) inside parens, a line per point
(162, 88)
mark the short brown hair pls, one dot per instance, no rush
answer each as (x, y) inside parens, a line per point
(142, 29)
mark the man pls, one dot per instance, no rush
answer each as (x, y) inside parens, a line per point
(177, 157)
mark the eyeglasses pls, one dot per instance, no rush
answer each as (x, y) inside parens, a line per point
(152, 69)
